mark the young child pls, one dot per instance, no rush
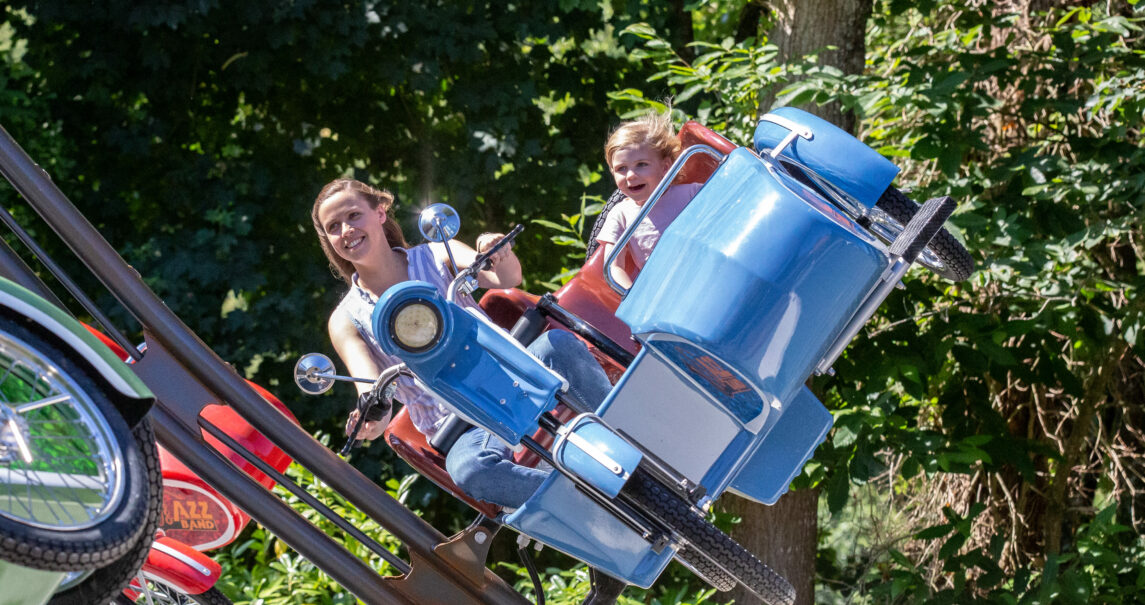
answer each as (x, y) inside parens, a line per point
(639, 153)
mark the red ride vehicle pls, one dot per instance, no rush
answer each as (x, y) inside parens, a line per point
(195, 517)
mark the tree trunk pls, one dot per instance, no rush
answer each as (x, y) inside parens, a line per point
(680, 29)
(808, 26)
(783, 536)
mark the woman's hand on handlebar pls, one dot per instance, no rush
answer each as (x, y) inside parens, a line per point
(371, 429)
(503, 272)
(486, 241)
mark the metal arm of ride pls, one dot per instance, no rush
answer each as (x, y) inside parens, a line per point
(186, 376)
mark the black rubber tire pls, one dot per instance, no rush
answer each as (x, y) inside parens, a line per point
(165, 594)
(708, 570)
(660, 502)
(954, 261)
(103, 584)
(75, 549)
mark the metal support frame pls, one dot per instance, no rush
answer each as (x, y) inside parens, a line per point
(186, 375)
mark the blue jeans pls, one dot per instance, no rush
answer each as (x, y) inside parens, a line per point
(482, 465)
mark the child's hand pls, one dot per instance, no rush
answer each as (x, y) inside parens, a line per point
(487, 240)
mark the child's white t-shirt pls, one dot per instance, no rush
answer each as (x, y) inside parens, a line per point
(667, 208)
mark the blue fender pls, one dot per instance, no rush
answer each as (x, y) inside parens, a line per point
(561, 515)
(594, 453)
(783, 451)
(831, 152)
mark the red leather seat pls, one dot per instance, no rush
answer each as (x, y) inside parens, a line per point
(700, 167)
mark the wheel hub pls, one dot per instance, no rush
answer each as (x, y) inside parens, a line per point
(14, 437)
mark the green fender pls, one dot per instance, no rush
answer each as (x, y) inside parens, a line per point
(72, 334)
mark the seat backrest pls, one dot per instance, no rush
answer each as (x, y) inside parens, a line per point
(589, 297)
(409, 443)
(700, 167)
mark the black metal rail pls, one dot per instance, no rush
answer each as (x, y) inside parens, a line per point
(186, 375)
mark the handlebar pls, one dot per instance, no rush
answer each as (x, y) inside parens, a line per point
(481, 263)
(386, 387)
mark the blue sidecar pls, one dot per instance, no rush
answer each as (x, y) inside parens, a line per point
(762, 281)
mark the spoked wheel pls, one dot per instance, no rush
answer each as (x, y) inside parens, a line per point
(103, 584)
(944, 255)
(74, 490)
(708, 550)
(158, 592)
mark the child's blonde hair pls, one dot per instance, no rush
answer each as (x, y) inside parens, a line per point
(653, 128)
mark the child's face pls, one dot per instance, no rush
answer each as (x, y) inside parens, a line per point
(637, 170)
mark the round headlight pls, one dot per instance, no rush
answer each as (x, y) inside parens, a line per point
(416, 325)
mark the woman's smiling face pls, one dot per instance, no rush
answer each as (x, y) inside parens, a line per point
(637, 170)
(351, 225)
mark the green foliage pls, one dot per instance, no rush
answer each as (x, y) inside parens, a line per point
(194, 135)
(571, 586)
(1021, 382)
(1108, 566)
(570, 235)
(723, 85)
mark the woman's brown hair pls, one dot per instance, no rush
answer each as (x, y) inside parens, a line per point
(373, 197)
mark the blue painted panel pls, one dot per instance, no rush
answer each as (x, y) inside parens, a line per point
(580, 463)
(562, 517)
(832, 153)
(784, 450)
(723, 470)
(759, 272)
(477, 368)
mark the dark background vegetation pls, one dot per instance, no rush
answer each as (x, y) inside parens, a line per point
(988, 441)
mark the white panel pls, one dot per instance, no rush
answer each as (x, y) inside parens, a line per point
(671, 418)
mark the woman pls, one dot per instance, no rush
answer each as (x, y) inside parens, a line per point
(370, 253)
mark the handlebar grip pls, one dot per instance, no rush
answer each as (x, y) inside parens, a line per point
(353, 441)
(482, 261)
(372, 413)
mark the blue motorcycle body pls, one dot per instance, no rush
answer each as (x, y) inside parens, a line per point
(741, 299)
